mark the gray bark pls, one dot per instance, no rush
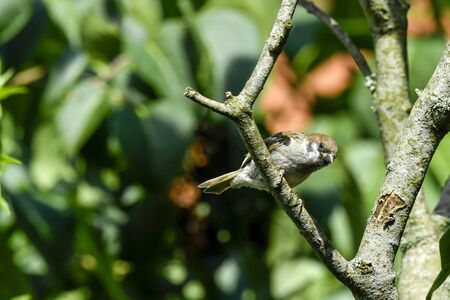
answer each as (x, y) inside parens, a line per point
(409, 148)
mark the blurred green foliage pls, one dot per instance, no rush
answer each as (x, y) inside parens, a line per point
(105, 205)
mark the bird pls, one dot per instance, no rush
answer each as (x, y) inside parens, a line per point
(297, 155)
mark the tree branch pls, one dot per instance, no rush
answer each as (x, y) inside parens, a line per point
(269, 54)
(343, 37)
(370, 274)
(391, 99)
(215, 106)
(429, 121)
(239, 109)
(421, 256)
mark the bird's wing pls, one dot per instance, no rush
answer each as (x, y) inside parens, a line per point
(272, 143)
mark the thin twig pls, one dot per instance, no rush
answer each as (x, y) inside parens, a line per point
(341, 35)
(216, 106)
(269, 54)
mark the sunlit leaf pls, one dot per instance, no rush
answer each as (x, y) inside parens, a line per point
(78, 294)
(26, 255)
(23, 297)
(71, 15)
(6, 159)
(4, 207)
(49, 164)
(8, 91)
(147, 12)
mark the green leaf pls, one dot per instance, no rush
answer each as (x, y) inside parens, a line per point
(170, 125)
(14, 15)
(23, 297)
(81, 113)
(291, 276)
(70, 16)
(49, 164)
(62, 77)
(4, 77)
(234, 44)
(147, 12)
(341, 232)
(67, 15)
(155, 138)
(8, 91)
(423, 54)
(444, 249)
(440, 164)
(162, 61)
(369, 154)
(4, 207)
(284, 240)
(6, 159)
(263, 11)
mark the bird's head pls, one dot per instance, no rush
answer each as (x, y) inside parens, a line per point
(322, 148)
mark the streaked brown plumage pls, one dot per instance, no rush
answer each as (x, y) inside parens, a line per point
(295, 153)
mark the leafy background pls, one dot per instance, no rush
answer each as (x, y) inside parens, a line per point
(104, 203)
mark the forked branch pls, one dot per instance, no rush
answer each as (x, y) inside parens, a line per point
(370, 274)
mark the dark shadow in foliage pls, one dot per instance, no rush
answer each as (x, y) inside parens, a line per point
(52, 233)
(127, 128)
(300, 35)
(443, 207)
(321, 204)
(237, 74)
(146, 245)
(17, 50)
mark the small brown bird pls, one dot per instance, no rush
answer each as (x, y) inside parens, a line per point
(295, 153)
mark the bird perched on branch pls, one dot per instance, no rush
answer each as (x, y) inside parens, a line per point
(296, 154)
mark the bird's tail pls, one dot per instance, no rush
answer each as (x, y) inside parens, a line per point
(219, 184)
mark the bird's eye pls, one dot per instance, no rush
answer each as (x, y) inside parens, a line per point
(321, 146)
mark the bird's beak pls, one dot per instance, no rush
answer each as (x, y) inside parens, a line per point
(328, 157)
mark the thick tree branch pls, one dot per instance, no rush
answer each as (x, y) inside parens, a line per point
(370, 274)
(391, 98)
(342, 36)
(421, 256)
(428, 123)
